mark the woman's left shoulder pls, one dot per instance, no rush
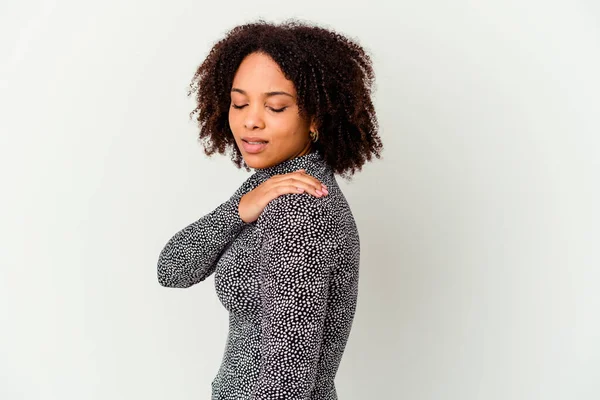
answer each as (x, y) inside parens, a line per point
(293, 209)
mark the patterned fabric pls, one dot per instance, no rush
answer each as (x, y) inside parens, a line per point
(288, 280)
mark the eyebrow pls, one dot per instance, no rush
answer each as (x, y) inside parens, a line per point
(268, 94)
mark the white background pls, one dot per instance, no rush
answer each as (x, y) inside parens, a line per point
(480, 267)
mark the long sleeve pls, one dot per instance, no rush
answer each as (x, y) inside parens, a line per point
(297, 256)
(190, 256)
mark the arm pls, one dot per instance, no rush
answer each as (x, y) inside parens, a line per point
(297, 257)
(190, 256)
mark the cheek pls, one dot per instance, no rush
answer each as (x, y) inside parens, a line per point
(286, 126)
(234, 123)
(235, 130)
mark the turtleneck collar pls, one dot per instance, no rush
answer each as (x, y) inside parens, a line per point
(307, 162)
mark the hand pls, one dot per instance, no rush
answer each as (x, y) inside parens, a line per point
(254, 202)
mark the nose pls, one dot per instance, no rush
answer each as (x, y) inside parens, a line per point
(253, 118)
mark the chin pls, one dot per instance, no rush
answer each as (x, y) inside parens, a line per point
(255, 161)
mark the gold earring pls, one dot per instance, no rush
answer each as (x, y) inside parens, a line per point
(314, 135)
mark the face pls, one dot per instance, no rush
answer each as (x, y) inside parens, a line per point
(263, 114)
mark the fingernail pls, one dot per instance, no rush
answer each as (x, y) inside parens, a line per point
(324, 186)
(319, 193)
(325, 191)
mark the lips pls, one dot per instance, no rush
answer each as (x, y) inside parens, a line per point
(253, 145)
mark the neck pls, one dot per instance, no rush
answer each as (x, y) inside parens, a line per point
(308, 148)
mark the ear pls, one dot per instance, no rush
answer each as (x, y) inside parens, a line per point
(313, 125)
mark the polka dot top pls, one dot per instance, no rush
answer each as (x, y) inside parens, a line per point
(288, 280)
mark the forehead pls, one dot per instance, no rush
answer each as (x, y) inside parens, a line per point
(259, 73)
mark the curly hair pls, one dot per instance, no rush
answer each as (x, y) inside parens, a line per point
(333, 77)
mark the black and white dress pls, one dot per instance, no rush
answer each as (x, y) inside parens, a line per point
(288, 280)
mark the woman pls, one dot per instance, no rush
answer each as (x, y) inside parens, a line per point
(291, 101)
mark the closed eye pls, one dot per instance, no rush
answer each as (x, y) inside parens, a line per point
(277, 110)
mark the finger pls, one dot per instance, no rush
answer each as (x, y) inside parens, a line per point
(299, 186)
(299, 176)
(309, 179)
(280, 190)
(300, 189)
(306, 184)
